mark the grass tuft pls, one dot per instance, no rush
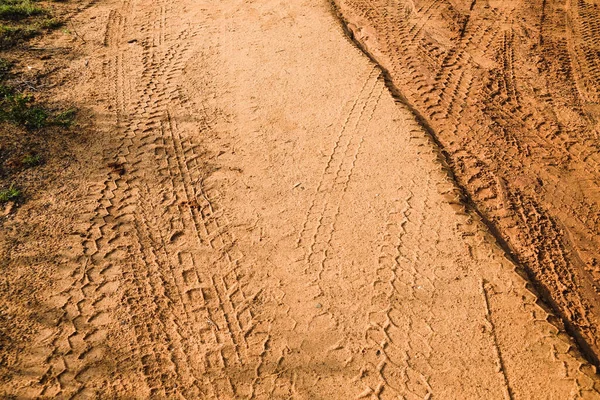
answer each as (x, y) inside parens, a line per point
(19, 9)
(5, 67)
(12, 35)
(63, 118)
(31, 160)
(10, 194)
(21, 20)
(49, 23)
(20, 109)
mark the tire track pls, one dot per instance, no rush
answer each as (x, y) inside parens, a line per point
(125, 225)
(227, 319)
(203, 275)
(496, 120)
(334, 163)
(338, 172)
(377, 390)
(393, 372)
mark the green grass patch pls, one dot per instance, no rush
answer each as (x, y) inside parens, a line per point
(21, 109)
(21, 20)
(10, 35)
(10, 194)
(63, 118)
(19, 9)
(31, 160)
(5, 67)
(49, 23)
(13, 34)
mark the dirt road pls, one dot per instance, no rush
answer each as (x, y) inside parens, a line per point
(263, 220)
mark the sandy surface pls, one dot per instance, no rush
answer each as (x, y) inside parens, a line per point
(258, 217)
(511, 89)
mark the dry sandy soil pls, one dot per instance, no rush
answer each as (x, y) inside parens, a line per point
(262, 211)
(511, 90)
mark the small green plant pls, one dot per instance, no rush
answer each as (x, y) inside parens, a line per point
(64, 118)
(50, 23)
(10, 194)
(20, 109)
(31, 160)
(5, 67)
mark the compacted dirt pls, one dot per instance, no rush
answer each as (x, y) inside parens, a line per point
(511, 89)
(260, 215)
